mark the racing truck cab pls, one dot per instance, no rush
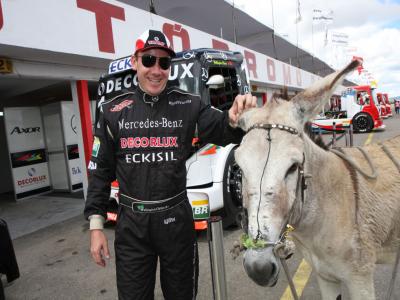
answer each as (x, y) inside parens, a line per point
(358, 105)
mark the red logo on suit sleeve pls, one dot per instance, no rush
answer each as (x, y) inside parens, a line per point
(122, 105)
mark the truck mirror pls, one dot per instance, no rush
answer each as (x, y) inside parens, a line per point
(215, 82)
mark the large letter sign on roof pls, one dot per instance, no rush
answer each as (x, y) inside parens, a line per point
(104, 12)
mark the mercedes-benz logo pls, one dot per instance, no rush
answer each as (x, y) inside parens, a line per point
(188, 55)
(73, 123)
(204, 74)
(224, 56)
(101, 89)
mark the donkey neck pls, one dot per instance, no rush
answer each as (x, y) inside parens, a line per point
(324, 189)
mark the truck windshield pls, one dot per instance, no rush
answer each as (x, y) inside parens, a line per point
(374, 96)
(184, 74)
(223, 97)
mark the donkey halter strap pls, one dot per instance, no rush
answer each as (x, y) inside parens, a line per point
(277, 126)
(279, 245)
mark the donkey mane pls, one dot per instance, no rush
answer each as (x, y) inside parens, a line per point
(283, 94)
(315, 137)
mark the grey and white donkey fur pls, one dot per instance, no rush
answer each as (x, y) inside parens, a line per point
(347, 222)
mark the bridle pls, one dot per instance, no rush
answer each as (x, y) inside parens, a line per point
(288, 226)
(301, 186)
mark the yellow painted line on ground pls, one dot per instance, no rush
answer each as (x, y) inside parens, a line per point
(300, 279)
(369, 139)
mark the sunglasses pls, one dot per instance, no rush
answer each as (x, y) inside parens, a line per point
(150, 60)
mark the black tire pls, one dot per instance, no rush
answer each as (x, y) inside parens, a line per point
(362, 122)
(232, 191)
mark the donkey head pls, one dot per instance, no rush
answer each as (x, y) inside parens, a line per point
(270, 155)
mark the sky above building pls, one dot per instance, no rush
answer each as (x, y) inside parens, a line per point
(335, 31)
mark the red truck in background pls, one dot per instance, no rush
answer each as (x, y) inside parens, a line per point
(388, 105)
(358, 105)
(381, 105)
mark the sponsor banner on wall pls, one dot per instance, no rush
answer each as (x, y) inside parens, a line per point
(24, 128)
(73, 151)
(75, 174)
(31, 180)
(70, 127)
(27, 158)
(70, 123)
(25, 139)
(74, 164)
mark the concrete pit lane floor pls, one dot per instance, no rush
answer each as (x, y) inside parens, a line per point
(55, 263)
(51, 242)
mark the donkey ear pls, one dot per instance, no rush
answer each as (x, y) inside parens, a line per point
(310, 101)
(244, 119)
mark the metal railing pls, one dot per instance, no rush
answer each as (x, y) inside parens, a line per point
(217, 260)
(346, 133)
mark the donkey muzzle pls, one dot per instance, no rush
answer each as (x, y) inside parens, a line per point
(261, 266)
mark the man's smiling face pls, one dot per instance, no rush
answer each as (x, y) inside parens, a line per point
(153, 79)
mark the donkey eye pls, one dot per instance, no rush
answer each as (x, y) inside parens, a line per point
(291, 170)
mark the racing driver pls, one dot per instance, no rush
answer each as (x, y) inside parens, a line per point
(143, 139)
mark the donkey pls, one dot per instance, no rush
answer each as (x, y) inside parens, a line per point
(345, 218)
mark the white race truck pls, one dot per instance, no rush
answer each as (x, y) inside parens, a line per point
(358, 105)
(213, 177)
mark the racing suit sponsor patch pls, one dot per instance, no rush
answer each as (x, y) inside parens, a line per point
(122, 105)
(179, 102)
(96, 146)
(149, 142)
(169, 220)
(92, 165)
(162, 123)
(137, 158)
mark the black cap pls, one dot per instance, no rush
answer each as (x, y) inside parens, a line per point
(151, 39)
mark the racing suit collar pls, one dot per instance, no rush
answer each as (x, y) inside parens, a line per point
(149, 99)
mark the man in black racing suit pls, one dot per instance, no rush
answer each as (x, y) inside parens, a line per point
(143, 139)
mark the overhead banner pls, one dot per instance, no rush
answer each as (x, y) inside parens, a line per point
(25, 139)
(112, 27)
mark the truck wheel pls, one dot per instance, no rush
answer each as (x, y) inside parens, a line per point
(232, 185)
(362, 122)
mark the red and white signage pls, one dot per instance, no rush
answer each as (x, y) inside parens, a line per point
(30, 178)
(110, 31)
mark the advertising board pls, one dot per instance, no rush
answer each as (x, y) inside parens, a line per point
(25, 139)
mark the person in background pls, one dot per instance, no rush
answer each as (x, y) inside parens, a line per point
(143, 139)
(397, 106)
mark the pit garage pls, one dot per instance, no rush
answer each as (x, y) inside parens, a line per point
(49, 69)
